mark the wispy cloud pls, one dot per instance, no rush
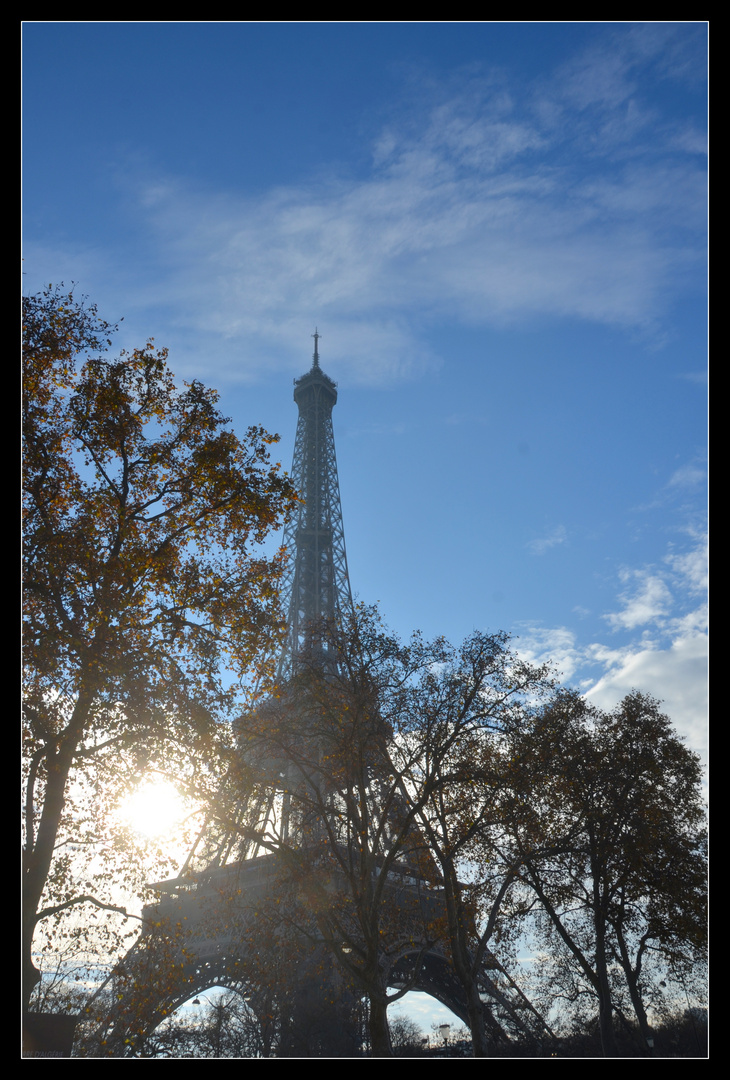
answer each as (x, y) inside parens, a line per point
(689, 476)
(700, 377)
(556, 536)
(499, 203)
(682, 488)
(651, 594)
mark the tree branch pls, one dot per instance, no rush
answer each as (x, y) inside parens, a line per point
(47, 912)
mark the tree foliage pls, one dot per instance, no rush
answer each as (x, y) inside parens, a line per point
(144, 606)
(609, 824)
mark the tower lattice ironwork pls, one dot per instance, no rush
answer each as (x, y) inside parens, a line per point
(315, 592)
(316, 587)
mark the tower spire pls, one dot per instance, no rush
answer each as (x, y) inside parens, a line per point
(316, 587)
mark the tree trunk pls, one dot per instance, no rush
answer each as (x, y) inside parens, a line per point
(605, 1004)
(378, 1027)
(36, 868)
(632, 981)
(38, 855)
(480, 1046)
(463, 962)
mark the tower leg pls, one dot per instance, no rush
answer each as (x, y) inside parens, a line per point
(322, 1015)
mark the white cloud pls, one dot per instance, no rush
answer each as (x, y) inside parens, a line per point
(424, 1009)
(556, 645)
(656, 589)
(651, 600)
(674, 672)
(677, 676)
(691, 567)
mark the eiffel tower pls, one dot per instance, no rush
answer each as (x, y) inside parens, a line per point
(231, 876)
(316, 588)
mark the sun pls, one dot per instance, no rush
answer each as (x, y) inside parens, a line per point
(154, 808)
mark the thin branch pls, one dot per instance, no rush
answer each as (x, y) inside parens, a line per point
(47, 912)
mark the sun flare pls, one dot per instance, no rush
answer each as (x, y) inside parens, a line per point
(154, 808)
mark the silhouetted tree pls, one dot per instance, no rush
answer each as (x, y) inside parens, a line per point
(406, 1037)
(141, 594)
(609, 822)
(363, 741)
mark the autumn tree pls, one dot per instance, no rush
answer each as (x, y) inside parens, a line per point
(144, 605)
(619, 869)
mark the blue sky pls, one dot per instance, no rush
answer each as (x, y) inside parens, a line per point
(500, 232)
